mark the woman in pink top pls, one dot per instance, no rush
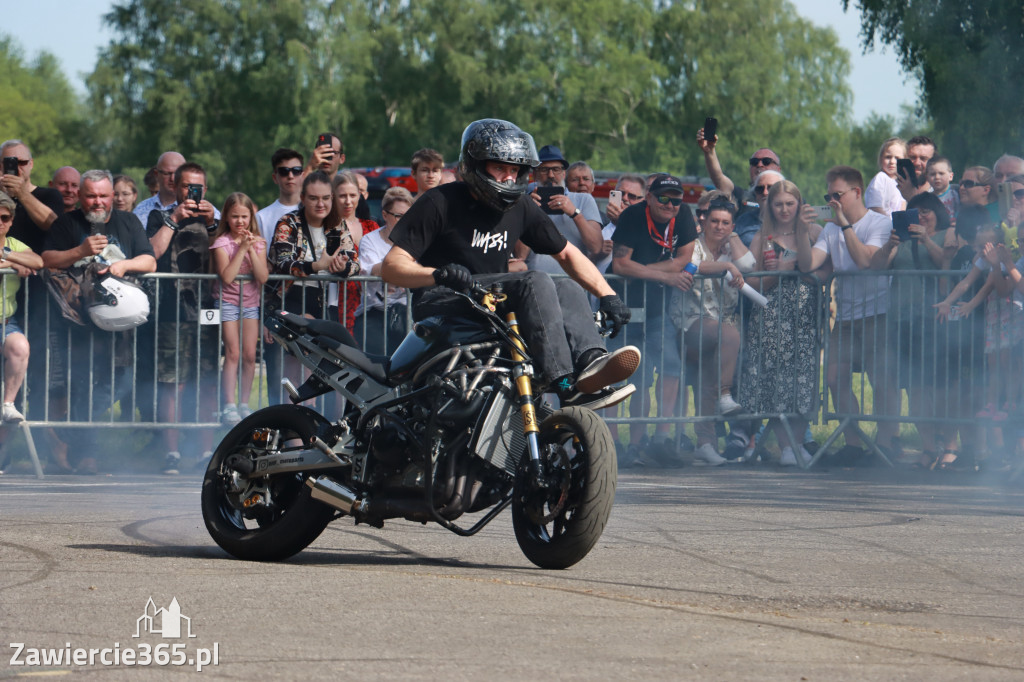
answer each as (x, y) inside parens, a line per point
(238, 249)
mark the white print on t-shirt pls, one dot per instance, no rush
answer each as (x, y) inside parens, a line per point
(490, 241)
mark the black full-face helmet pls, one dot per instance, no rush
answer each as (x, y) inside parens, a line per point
(492, 139)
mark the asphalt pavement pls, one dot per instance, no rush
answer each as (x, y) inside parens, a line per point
(726, 573)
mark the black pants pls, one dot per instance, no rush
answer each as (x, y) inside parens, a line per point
(554, 317)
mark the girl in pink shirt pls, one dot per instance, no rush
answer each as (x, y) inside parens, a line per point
(238, 249)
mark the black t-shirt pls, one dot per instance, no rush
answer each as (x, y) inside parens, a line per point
(123, 229)
(447, 225)
(632, 231)
(189, 248)
(24, 229)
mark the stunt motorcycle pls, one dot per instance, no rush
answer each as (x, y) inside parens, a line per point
(447, 426)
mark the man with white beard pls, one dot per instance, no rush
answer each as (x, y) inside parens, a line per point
(78, 234)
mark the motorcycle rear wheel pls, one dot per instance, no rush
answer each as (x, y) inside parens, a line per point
(258, 532)
(558, 525)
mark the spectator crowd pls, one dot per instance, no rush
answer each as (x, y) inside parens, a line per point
(729, 299)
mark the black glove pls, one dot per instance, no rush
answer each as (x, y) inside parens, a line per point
(615, 312)
(454, 276)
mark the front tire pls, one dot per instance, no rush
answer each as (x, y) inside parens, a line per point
(557, 525)
(269, 518)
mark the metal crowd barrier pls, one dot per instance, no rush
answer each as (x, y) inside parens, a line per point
(113, 381)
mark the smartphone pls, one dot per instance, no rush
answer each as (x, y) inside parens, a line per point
(323, 139)
(546, 193)
(905, 167)
(710, 128)
(195, 193)
(1004, 193)
(333, 243)
(10, 165)
(901, 222)
(824, 212)
(615, 197)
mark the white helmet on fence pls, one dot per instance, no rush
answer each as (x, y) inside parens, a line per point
(118, 305)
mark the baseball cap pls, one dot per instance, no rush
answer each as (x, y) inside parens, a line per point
(666, 183)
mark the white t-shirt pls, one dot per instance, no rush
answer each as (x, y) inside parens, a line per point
(857, 297)
(268, 217)
(883, 193)
(567, 226)
(372, 249)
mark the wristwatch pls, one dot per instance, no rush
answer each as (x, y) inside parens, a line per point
(576, 212)
(845, 227)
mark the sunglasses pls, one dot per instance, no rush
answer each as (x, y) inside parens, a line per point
(665, 200)
(836, 195)
(1018, 194)
(6, 217)
(631, 196)
(969, 184)
(762, 160)
(718, 204)
(285, 171)
(762, 189)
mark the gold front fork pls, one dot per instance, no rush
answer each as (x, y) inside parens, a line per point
(523, 383)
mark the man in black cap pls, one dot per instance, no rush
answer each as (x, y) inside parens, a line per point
(653, 244)
(575, 214)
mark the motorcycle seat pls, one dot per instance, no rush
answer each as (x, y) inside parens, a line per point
(374, 365)
(332, 330)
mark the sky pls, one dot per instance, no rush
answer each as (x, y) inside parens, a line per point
(73, 31)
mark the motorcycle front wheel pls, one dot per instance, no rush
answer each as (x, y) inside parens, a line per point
(559, 522)
(267, 518)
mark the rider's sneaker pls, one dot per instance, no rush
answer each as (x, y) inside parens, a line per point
(608, 369)
(172, 463)
(606, 397)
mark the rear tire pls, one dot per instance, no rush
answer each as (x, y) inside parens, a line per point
(558, 525)
(258, 532)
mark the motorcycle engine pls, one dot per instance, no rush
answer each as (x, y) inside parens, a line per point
(389, 446)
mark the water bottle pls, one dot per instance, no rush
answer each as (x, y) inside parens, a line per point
(769, 253)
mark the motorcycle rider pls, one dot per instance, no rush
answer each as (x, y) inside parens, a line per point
(463, 232)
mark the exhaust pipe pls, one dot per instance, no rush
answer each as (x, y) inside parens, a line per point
(335, 494)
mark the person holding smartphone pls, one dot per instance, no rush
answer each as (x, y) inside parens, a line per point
(912, 332)
(575, 214)
(328, 155)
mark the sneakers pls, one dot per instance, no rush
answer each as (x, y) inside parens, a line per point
(608, 369)
(636, 456)
(850, 455)
(229, 415)
(606, 397)
(171, 463)
(244, 410)
(204, 461)
(11, 415)
(726, 405)
(667, 452)
(706, 453)
(788, 458)
(736, 445)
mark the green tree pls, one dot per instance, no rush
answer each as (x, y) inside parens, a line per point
(969, 55)
(37, 105)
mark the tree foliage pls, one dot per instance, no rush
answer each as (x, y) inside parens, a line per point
(38, 106)
(969, 55)
(623, 84)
